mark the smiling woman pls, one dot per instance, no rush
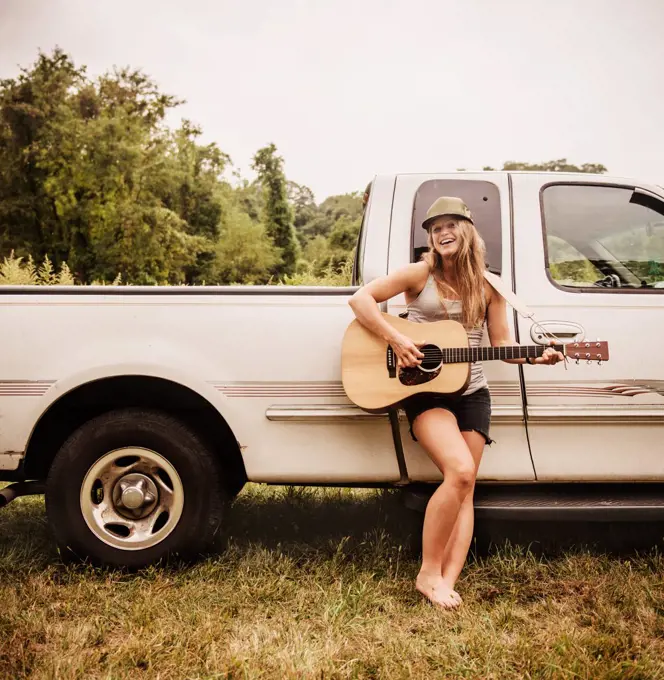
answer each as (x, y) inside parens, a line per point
(483, 201)
(447, 283)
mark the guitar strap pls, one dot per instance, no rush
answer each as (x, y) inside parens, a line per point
(499, 285)
(513, 300)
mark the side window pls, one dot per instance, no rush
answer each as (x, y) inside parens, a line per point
(603, 237)
(483, 199)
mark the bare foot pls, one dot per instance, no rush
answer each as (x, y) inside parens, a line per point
(456, 595)
(434, 588)
(451, 586)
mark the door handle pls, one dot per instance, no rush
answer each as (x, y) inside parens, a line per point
(543, 331)
(559, 334)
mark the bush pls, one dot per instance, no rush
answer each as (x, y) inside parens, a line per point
(15, 272)
(331, 276)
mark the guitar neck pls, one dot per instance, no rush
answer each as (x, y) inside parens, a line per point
(456, 355)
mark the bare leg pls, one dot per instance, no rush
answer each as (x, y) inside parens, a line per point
(438, 433)
(457, 547)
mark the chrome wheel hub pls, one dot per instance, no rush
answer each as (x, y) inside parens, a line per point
(135, 495)
(132, 498)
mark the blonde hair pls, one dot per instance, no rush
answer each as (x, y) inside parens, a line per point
(469, 264)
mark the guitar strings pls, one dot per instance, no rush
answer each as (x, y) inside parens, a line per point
(446, 350)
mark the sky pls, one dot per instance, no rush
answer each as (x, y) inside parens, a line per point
(347, 89)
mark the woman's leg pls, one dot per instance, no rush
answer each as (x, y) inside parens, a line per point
(438, 433)
(457, 547)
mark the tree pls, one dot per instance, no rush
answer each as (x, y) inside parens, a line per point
(552, 166)
(191, 185)
(33, 108)
(330, 211)
(304, 207)
(329, 235)
(277, 213)
(250, 199)
(91, 175)
(244, 252)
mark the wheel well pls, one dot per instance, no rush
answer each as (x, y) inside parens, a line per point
(100, 396)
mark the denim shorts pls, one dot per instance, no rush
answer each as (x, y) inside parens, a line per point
(472, 411)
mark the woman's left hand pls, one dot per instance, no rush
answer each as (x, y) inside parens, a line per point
(550, 356)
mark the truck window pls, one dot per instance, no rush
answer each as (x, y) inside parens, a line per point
(483, 199)
(603, 237)
(358, 261)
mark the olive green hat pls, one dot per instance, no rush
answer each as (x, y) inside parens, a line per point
(447, 205)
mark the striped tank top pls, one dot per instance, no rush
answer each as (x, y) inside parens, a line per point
(429, 307)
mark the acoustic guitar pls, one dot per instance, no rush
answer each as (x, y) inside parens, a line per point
(374, 381)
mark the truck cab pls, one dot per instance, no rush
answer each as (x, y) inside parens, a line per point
(580, 249)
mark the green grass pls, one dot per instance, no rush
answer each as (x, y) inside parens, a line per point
(319, 584)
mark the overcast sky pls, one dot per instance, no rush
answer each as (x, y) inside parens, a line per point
(350, 88)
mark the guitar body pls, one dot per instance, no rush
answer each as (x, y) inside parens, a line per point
(375, 384)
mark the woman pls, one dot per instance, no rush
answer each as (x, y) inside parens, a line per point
(447, 283)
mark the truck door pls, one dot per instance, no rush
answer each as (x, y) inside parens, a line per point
(508, 458)
(592, 252)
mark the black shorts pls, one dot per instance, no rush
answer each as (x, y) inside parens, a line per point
(472, 411)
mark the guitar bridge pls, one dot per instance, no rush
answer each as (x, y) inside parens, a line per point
(391, 362)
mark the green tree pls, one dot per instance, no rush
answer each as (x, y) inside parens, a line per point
(244, 253)
(277, 213)
(194, 176)
(250, 198)
(561, 165)
(317, 252)
(91, 175)
(330, 233)
(191, 185)
(344, 234)
(34, 108)
(331, 210)
(114, 194)
(305, 210)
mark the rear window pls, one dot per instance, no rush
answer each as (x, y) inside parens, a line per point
(483, 199)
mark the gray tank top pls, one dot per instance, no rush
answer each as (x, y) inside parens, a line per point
(428, 307)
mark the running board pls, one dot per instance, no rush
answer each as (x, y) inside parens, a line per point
(562, 502)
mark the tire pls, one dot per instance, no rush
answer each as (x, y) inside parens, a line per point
(132, 487)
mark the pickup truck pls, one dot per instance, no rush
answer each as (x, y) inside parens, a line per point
(140, 412)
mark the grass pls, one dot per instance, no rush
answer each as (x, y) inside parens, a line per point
(318, 584)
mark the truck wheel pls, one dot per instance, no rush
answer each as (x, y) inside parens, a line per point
(133, 486)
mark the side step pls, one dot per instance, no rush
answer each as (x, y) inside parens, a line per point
(564, 502)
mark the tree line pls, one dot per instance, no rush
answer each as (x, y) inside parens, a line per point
(97, 188)
(91, 176)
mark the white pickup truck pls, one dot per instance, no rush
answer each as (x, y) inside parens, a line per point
(140, 411)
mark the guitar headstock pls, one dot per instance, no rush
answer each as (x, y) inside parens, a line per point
(587, 350)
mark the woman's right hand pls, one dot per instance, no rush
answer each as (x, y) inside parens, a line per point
(407, 351)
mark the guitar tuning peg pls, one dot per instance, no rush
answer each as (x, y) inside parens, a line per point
(577, 361)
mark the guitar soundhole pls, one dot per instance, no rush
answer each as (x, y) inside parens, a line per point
(427, 370)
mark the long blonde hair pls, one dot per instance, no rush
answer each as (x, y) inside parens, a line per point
(469, 266)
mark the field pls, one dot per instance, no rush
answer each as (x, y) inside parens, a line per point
(318, 584)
